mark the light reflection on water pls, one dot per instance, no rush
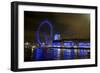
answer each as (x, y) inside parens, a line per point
(58, 54)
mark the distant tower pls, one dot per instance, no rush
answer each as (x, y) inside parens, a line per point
(57, 51)
(57, 37)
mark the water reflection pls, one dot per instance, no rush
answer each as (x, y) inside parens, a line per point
(58, 51)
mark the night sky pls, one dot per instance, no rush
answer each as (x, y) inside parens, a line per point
(69, 25)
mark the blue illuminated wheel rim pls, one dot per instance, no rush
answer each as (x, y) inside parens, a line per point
(48, 23)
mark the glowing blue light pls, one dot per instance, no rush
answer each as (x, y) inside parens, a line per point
(68, 44)
(83, 52)
(52, 54)
(47, 40)
(56, 44)
(72, 54)
(67, 53)
(37, 54)
(57, 37)
(84, 45)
